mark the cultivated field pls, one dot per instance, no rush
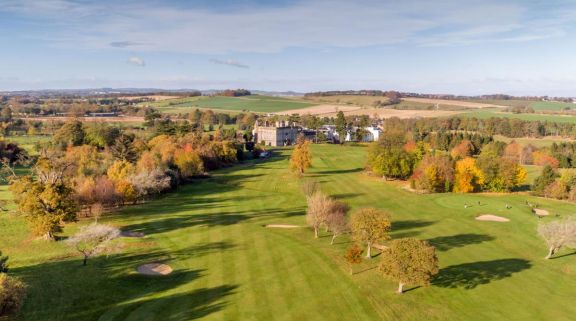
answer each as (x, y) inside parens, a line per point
(536, 105)
(153, 97)
(254, 103)
(488, 113)
(467, 104)
(321, 110)
(228, 266)
(353, 100)
(332, 110)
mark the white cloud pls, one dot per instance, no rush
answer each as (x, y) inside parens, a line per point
(137, 61)
(229, 62)
(311, 24)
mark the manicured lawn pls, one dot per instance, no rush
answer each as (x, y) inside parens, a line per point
(28, 142)
(229, 267)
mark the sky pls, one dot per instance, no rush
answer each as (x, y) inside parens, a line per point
(518, 47)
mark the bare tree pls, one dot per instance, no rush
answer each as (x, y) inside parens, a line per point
(93, 239)
(310, 187)
(336, 221)
(558, 234)
(319, 205)
(96, 209)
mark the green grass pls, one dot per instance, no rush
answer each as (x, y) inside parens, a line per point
(28, 142)
(229, 267)
(489, 112)
(255, 103)
(536, 105)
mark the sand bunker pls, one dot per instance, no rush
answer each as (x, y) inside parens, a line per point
(282, 226)
(493, 218)
(132, 234)
(154, 269)
(540, 212)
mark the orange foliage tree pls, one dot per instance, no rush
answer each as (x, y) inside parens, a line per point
(468, 177)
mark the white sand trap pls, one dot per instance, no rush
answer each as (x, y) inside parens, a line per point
(282, 226)
(131, 234)
(154, 269)
(540, 212)
(493, 218)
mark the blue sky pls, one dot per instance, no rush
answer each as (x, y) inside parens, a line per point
(441, 46)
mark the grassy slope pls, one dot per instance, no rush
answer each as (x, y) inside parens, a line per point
(536, 105)
(488, 113)
(228, 267)
(255, 103)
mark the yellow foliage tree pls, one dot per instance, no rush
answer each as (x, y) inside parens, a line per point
(468, 177)
(120, 170)
(301, 158)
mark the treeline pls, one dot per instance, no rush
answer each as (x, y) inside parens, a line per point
(446, 162)
(436, 96)
(89, 168)
(235, 92)
(552, 184)
(509, 127)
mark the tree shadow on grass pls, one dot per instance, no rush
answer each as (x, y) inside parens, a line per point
(339, 171)
(191, 305)
(66, 288)
(410, 224)
(445, 243)
(471, 275)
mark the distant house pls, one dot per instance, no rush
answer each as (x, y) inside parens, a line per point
(280, 133)
(371, 133)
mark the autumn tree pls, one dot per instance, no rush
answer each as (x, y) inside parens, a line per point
(71, 133)
(353, 256)
(409, 261)
(435, 173)
(319, 205)
(301, 158)
(150, 183)
(92, 240)
(310, 187)
(468, 177)
(45, 198)
(12, 295)
(558, 234)
(369, 226)
(388, 157)
(336, 221)
(547, 177)
(541, 158)
(462, 150)
(188, 161)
